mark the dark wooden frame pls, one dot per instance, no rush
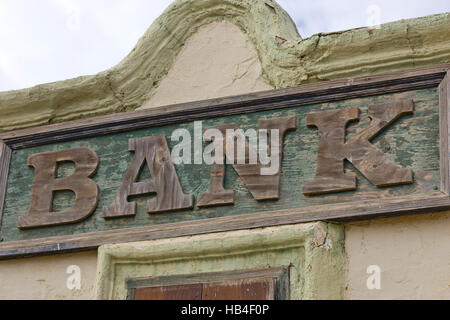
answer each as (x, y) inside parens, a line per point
(269, 100)
(282, 283)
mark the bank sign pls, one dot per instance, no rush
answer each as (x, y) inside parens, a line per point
(341, 150)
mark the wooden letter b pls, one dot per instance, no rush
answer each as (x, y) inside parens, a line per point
(46, 183)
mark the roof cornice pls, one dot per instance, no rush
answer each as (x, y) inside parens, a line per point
(286, 59)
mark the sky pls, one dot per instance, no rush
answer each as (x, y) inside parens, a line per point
(50, 40)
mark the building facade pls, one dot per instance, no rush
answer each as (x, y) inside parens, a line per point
(376, 242)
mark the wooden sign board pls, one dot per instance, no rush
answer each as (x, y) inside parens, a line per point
(351, 149)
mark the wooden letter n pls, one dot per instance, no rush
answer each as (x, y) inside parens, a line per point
(262, 187)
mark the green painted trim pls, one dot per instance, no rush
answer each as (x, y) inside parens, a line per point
(314, 251)
(287, 60)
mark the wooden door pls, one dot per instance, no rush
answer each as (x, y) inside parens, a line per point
(268, 284)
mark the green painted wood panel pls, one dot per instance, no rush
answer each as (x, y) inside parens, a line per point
(412, 141)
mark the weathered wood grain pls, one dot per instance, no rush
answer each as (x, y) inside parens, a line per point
(154, 153)
(216, 195)
(334, 212)
(171, 293)
(45, 184)
(211, 286)
(5, 157)
(371, 162)
(245, 289)
(193, 278)
(327, 91)
(413, 142)
(444, 126)
(263, 186)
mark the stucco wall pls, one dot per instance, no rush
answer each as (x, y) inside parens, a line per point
(412, 252)
(313, 251)
(217, 61)
(45, 278)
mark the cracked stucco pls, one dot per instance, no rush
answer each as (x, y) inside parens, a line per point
(315, 273)
(216, 61)
(286, 59)
(411, 251)
(45, 278)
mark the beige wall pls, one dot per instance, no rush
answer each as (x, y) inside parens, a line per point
(45, 278)
(412, 252)
(217, 61)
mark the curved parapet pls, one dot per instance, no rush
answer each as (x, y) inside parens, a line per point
(286, 59)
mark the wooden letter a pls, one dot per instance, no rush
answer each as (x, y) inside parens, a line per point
(165, 183)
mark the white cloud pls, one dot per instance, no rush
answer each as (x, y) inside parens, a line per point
(331, 15)
(49, 40)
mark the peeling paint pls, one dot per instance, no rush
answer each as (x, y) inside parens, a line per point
(323, 56)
